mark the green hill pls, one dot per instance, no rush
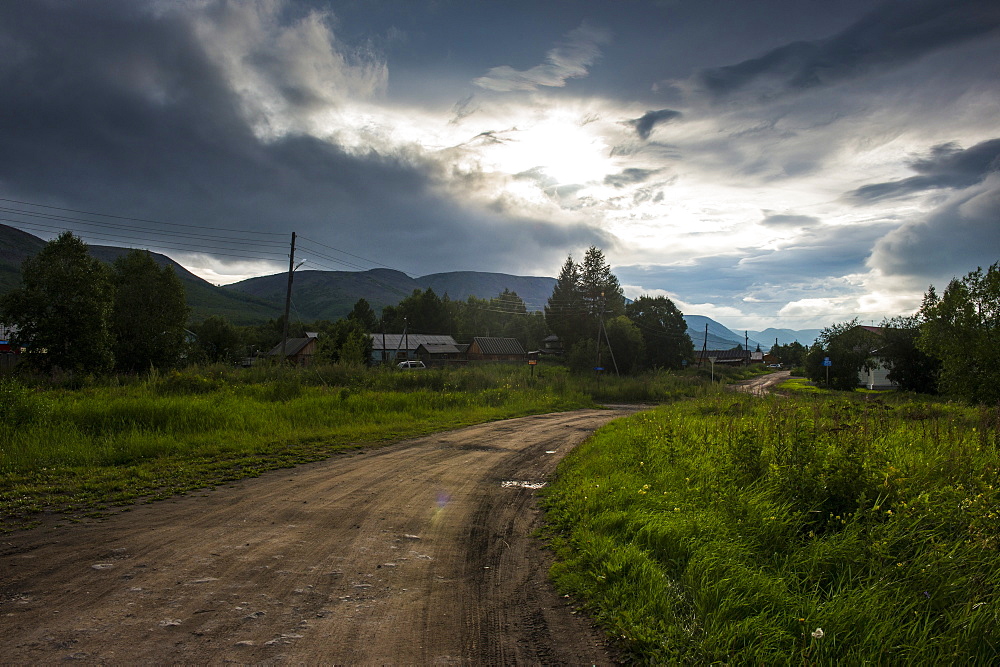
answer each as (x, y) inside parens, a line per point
(203, 298)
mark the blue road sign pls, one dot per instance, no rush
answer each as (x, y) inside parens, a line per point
(827, 362)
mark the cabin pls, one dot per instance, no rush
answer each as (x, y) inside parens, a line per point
(486, 348)
(299, 351)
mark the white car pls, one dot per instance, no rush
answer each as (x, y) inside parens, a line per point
(406, 365)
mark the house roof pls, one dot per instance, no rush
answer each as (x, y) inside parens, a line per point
(498, 346)
(724, 355)
(408, 342)
(442, 348)
(295, 346)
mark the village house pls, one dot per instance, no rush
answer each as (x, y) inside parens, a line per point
(299, 351)
(484, 348)
(394, 348)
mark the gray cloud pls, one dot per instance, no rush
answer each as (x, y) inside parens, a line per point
(645, 124)
(772, 219)
(952, 240)
(947, 166)
(809, 267)
(147, 124)
(568, 60)
(630, 176)
(892, 35)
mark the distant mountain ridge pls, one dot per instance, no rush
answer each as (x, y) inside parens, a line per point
(330, 295)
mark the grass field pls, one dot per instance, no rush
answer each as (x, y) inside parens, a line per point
(806, 530)
(87, 447)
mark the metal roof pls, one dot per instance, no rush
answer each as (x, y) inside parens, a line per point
(498, 346)
(408, 342)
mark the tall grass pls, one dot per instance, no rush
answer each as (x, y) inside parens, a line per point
(122, 439)
(738, 530)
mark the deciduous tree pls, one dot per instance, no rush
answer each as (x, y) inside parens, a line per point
(148, 315)
(663, 329)
(63, 309)
(962, 329)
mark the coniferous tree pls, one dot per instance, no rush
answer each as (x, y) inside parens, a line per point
(564, 312)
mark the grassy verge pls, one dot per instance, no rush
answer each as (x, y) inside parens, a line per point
(738, 530)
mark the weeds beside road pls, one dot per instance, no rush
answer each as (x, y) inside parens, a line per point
(788, 530)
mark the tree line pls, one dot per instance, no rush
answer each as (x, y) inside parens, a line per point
(88, 317)
(950, 346)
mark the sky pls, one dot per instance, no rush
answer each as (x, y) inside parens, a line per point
(769, 163)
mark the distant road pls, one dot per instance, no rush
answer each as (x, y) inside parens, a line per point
(759, 386)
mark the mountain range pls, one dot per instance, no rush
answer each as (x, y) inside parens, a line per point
(330, 295)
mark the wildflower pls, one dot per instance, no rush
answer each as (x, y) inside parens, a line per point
(818, 633)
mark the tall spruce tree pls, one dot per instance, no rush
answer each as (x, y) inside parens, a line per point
(565, 312)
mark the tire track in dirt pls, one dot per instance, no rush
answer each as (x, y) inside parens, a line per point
(412, 553)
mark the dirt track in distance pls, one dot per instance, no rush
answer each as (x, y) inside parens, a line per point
(412, 553)
(763, 385)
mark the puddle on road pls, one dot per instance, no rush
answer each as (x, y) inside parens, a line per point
(521, 484)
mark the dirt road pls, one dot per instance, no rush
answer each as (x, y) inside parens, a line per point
(760, 386)
(419, 553)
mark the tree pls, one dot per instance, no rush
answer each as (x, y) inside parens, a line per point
(564, 311)
(599, 288)
(851, 349)
(628, 348)
(63, 309)
(790, 354)
(663, 329)
(148, 314)
(962, 330)
(584, 295)
(218, 340)
(421, 312)
(344, 341)
(910, 368)
(364, 315)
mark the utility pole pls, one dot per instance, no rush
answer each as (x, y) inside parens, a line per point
(288, 300)
(704, 348)
(746, 346)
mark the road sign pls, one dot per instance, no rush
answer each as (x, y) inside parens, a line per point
(827, 362)
(598, 368)
(532, 362)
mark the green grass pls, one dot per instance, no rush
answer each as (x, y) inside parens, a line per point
(730, 529)
(103, 446)
(82, 445)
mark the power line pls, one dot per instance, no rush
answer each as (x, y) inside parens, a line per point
(123, 217)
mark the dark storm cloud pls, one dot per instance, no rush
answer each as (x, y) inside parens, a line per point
(631, 176)
(947, 166)
(892, 35)
(648, 121)
(952, 240)
(117, 109)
